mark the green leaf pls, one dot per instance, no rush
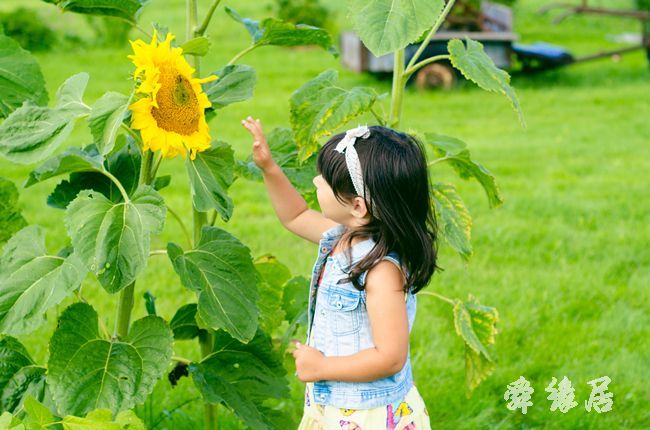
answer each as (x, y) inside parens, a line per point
(149, 302)
(295, 299)
(272, 31)
(273, 277)
(10, 422)
(198, 46)
(285, 153)
(455, 153)
(385, 26)
(105, 119)
(125, 9)
(86, 371)
(279, 33)
(184, 325)
(73, 159)
(161, 182)
(101, 419)
(235, 84)
(124, 164)
(453, 217)
(20, 77)
(221, 271)
(33, 281)
(211, 174)
(11, 219)
(252, 26)
(320, 106)
(113, 238)
(32, 132)
(19, 375)
(37, 417)
(476, 325)
(242, 376)
(128, 420)
(478, 67)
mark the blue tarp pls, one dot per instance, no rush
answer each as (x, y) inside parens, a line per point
(543, 51)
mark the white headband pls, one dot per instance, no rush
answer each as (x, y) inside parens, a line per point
(352, 158)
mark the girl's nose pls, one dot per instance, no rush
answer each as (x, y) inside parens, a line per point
(314, 180)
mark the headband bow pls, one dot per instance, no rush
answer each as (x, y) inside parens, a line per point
(352, 158)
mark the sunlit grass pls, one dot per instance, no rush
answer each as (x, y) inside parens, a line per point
(565, 259)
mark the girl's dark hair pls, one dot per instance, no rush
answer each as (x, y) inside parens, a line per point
(395, 173)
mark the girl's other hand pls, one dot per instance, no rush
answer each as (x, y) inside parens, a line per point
(309, 362)
(261, 151)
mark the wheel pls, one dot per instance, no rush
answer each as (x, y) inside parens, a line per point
(435, 76)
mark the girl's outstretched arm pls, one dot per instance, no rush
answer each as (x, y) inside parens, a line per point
(390, 334)
(292, 210)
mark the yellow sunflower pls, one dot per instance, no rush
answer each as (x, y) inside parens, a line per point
(171, 115)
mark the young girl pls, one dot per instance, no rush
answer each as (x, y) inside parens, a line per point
(377, 248)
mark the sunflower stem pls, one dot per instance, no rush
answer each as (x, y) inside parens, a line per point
(205, 340)
(241, 54)
(378, 117)
(441, 297)
(145, 168)
(423, 63)
(182, 224)
(124, 308)
(397, 90)
(213, 217)
(192, 19)
(206, 21)
(133, 134)
(181, 359)
(125, 304)
(200, 218)
(438, 160)
(156, 165)
(142, 30)
(117, 183)
(433, 31)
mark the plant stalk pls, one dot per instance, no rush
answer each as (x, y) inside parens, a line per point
(439, 296)
(397, 92)
(145, 168)
(206, 21)
(433, 31)
(210, 410)
(125, 304)
(190, 28)
(200, 218)
(117, 183)
(132, 133)
(408, 72)
(124, 308)
(186, 232)
(241, 54)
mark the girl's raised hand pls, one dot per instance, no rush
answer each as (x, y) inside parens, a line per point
(261, 151)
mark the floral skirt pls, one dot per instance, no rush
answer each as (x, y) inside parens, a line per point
(408, 414)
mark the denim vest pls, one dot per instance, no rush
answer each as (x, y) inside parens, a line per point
(338, 322)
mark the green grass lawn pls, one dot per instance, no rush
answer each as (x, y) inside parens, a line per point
(565, 259)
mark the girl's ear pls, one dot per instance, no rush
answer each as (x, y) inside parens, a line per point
(359, 209)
